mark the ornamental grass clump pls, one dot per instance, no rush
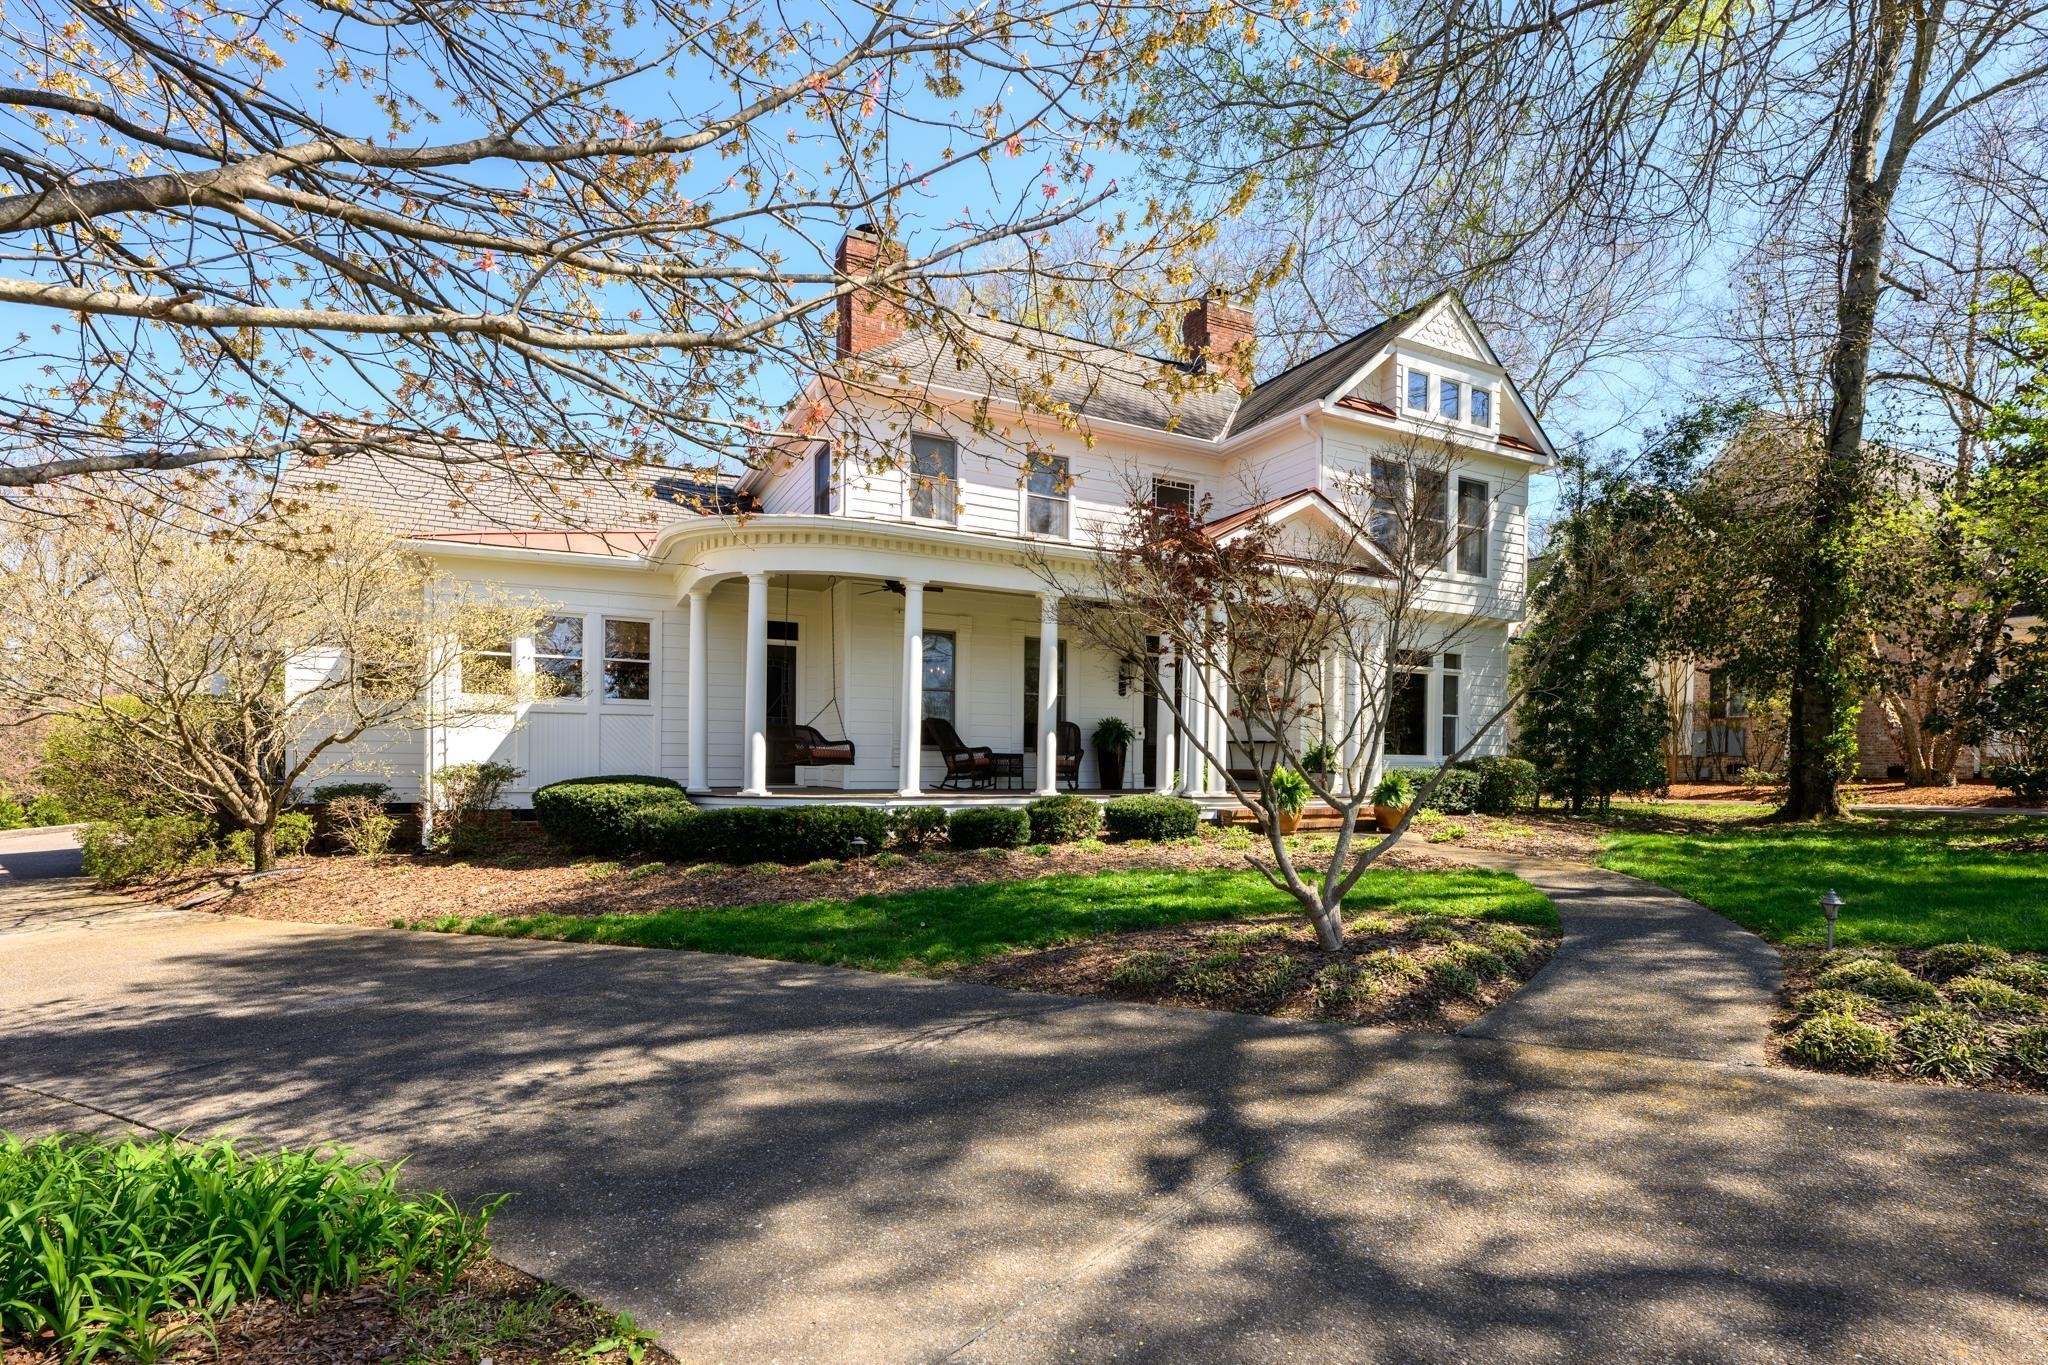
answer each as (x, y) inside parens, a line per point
(1831, 1002)
(2026, 1052)
(1143, 970)
(1947, 960)
(2031, 977)
(1838, 1042)
(1950, 1045)
(121, 1248)
(1985, 996)
(1879, 980)
(1339, 986)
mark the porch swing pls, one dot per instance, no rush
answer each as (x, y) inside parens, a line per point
(805, 746)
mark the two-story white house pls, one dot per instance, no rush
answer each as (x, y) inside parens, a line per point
(691, 630)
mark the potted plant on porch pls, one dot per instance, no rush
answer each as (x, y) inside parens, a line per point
(1391, 799)
(1319, 760)
(1290, 793)
(1113, 735)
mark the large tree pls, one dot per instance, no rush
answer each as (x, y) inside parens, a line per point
(1507, 135)
(243, 232)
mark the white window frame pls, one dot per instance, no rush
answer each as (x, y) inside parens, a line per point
(1408, 403)
(534, 655)
(1481, 391)
(1194, 490)
(1450, 405)
(1479, 535)
(911, 478)
(605, 623)
(1063, 468)
(1450, 693)
(821, 488)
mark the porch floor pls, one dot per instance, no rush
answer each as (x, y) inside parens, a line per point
(930, 796)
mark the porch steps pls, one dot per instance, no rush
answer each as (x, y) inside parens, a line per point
(1315, 817)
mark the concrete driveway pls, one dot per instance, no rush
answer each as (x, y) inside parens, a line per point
(772, 1162)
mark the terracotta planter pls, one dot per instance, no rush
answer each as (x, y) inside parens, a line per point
(1288, 819)
(1389, 817)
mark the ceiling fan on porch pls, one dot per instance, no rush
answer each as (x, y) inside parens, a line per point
(895, 585)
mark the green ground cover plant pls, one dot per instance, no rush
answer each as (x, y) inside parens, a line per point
(99, 1239)
(945, 927)
(1908, 881)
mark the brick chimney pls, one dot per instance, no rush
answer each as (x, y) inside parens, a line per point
(867, 319)
(1219, 337)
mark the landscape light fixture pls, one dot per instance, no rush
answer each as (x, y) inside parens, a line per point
(1831, 906)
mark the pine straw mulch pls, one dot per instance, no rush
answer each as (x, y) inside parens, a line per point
(496, 1313)
(531, 876)
(1805, 965)
(1433, 973)
(1973, 793)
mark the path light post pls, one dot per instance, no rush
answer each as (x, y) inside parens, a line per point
(860, 847)
(1831, 906)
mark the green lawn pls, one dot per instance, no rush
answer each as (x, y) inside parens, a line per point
(954, 926)
(1904, 880)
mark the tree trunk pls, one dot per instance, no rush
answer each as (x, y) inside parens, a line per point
(1820, 744)
(264, 843)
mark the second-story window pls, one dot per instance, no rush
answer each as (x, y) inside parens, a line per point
(1482, 406)
(1047, 496)
(934, 478)
(1474, 518)
(1175, 493)
(1447, 399)
(1389, 503)
(1418, 391)
(821, 481)
(1431, 534)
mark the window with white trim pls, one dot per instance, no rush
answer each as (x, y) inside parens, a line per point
(1389, 503)
(558, 657)
(1449, 711)
(1482, 406)
(1175, 493)
(1418, 391)
(1475, 517)
(934, 478)
(487, 672)
(1048, 496)
(628, 660)
(1447, 399)
(821, 481)
(941, 660)
(1408, 706)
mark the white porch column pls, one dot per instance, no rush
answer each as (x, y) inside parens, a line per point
(1048, 693)
(1350, 699)
(756, 736)
(700, 667)
(911, 719)
(1165, 759)
(1219, 715)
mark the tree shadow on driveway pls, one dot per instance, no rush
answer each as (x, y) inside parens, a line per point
(763, 1160)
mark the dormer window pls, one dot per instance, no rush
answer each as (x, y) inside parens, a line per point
(1418, 391)
(1482, 407)
(1447, 399)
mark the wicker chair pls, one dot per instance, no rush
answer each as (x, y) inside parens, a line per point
(1070, 754)
(968, 765)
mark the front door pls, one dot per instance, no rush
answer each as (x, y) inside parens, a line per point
(1155, 715)
(781, 684)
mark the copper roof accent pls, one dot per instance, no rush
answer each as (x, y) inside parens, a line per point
(1517, 443)
(1224, 525)
(1357, 404)
(613, 544)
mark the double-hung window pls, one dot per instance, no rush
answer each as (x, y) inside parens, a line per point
(1389, 504)
(1430, 530)
(558, 657)
(1447, 399)
(1418, 390)
(1048, 496)
(1474, 526)
(1482, 406)
(628, 660)
(1031, 689)
(1408, 706)
(821, 480)
(487, 672)
(941, 660)
(1449, 713)
(934, 478)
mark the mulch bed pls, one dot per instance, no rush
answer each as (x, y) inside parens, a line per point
(544, 1324)
(1973, 793)
(1803, 968)
(1387, 973)
(530, 876)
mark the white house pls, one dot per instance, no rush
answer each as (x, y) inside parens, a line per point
(860, 590)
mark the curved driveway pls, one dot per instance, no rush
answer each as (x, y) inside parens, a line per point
(772, 1162)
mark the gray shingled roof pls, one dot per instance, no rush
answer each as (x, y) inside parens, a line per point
(1109, 384)
(1319, 375)
(1100, 382)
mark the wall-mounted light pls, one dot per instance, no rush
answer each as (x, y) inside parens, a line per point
(1126, 675)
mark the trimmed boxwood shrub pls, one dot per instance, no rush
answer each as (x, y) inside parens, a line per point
(588, 814)
(328, 793)
(988, 827)
(746, 834)
(1063, 819)
(1506, 785)
(1838, 1042)
(1456, 791)
(916, 826)
(1152, 817)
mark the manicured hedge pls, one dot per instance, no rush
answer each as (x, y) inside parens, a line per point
(1456, 791)
(589, 814)
(1063, 819)
(1152, 817)
(746, 834)
(1506, 785)
(988, 827)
